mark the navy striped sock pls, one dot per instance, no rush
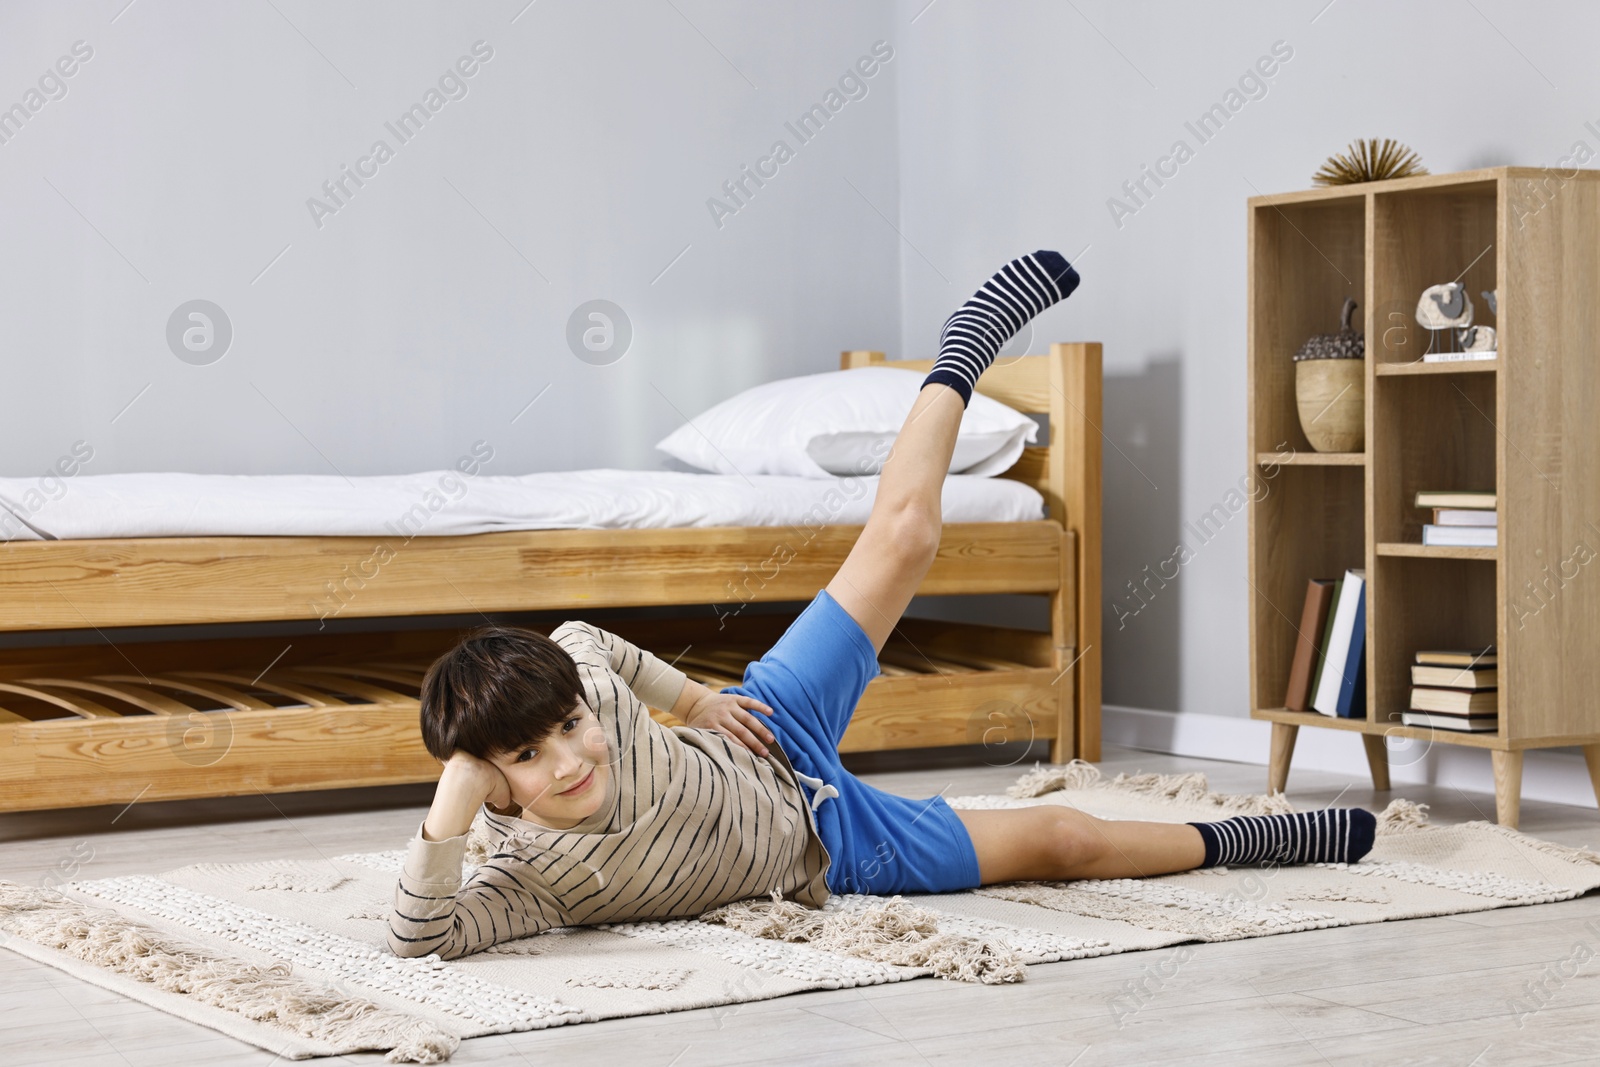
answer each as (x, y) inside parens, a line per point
(1332, 835)
(973, 335)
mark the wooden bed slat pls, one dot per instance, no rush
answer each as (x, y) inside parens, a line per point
(382, 674)
(265, 682)
(917, 662)
(340, 683)
(222, 694)
(82, 707)
(137, 695)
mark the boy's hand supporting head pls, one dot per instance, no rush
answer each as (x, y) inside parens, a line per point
(466, 784)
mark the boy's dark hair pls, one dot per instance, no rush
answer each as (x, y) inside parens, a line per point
(500, 689)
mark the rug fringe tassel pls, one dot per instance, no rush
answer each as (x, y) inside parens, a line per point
(894, 932)
(271, 995)
(1402, 815)
(1047, 778)
(1190, 788)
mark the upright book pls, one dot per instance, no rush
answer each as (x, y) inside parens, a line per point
(1342, 672)
(1322, 644)
(1308, 645)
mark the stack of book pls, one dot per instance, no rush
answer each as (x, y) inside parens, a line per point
(1329, 672)
(1455, 691)
(1468, 519)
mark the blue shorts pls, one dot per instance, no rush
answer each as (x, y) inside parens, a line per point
(877, 842)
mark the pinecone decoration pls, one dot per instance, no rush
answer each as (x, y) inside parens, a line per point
(1348, 343)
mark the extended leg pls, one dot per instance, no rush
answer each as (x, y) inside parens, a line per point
(1049, 841)
(898, 544)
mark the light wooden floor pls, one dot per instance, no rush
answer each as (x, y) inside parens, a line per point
(1429, 991)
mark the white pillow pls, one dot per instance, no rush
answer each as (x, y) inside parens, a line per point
(838, 423)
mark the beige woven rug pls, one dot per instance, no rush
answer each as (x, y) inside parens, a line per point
(290, 955)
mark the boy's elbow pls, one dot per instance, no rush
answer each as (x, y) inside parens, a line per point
(416, 949)
(405, 949)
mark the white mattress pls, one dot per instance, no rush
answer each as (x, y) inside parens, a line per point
(440, 503)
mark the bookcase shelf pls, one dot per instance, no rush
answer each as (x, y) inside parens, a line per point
(1528, 436)
(1311, 459)
(1478, 366)
(1409, 548)
(1381, 730)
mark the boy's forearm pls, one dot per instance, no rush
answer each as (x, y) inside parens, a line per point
(453, 810)
(691, 694)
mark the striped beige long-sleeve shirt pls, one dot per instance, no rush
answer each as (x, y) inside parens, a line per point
(691, 821)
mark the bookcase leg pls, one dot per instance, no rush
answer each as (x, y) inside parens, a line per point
(1283, 735)
(1591, 756)
(1377, 760)
(1507, 786)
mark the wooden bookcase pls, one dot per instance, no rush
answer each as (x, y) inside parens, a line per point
(1526, 425)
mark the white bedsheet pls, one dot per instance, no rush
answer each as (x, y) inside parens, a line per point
(439, 503)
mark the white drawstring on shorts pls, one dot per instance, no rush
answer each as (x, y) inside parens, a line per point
(820, 790)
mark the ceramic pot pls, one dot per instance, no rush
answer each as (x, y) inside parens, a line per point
(1332, 397)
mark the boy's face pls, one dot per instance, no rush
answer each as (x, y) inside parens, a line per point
(565, 778)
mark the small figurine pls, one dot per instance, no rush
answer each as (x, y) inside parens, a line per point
(1477, 339)
(1444, 307)
(1491, 297)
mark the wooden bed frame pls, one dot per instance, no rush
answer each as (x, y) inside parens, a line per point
(161, 715)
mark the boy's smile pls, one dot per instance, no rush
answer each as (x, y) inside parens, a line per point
(565, 778)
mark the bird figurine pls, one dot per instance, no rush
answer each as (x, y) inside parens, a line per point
(1477, 339)
(1491, 297)
(1443, 307)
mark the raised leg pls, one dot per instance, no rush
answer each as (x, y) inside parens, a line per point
(1591, 756)
(1283, 735)
(1377, 760)
(898, 545)
(876, 581)
(1507, 786)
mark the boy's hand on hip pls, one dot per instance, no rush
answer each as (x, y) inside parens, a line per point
(729, 714)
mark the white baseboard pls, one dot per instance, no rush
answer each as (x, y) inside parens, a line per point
(1555, 775)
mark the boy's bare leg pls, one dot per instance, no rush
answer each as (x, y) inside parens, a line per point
(896, 547)
(898, 544)
(1053, 843)
(876, 582)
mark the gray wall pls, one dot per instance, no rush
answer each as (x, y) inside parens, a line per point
(1020, 120)
(431, 308)
(416, 321)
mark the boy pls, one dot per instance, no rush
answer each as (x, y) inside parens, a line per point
(600, 814)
